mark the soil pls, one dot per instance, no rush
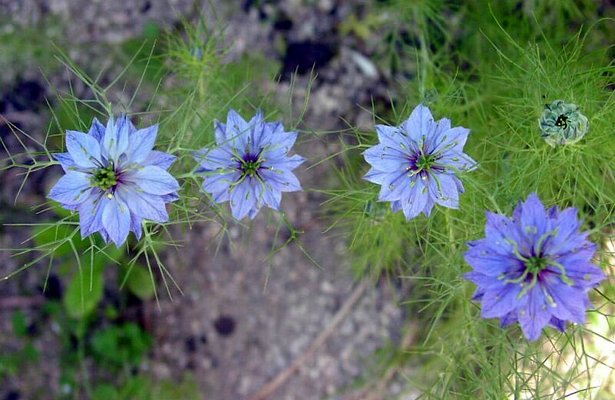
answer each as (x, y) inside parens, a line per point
(245, 315)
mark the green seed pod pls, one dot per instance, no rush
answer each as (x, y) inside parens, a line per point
(562, 123)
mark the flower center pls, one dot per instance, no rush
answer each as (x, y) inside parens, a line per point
(536, 264)
(250, 165)
(105, 178)
(425, 162)
(562, 121)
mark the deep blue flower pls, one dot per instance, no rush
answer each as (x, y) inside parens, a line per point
(535, 269)
(417, 163)
(249, 166)
(114, 179)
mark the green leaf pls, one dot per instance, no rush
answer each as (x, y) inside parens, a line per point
(139, 282)
(85, 290)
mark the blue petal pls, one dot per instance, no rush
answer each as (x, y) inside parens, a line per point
(376, 176)
(242, 200)
(395, 185)
(218, 158)
(391, 136)
(90, 214)
(97, 130)
(84, 149)
(144, 205)
(65, 160)
(289, 163)
(558, 324)
(280, 142)
(580, 269)
(443, 190)
(220, 132)
(566, 235)
(487, 262)
(386, 158)
(272, 197)
(451, 140)
(237, 130)
(154, 180)
(534, 218)
(420, 124)
(500, 231)
(415, 199)
(499, 302)
(159, 159)
(218, 185)
(533, 312)
(115, 141)
(116, 219)
(483, 281)
(135, 225)
(281, 180)
(73, 188)
(259, 136)
(508, 319)
(141, 143)
(569, 301)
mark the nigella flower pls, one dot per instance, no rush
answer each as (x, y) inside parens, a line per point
(535, 269)
(562, 123)
(114, 179)
(249, 166)
(417, 163)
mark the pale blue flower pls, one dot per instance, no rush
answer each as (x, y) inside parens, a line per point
(115, 179)
(417, 163)
(249, 166)
(535, 269)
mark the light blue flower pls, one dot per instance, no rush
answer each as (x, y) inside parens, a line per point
(535, 269)
(115, 179)
(249, 166)
(417, 163)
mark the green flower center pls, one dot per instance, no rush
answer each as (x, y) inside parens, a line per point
(250, 167)
(105, 178)
(425, 162)
(536, 264)
(562, 121)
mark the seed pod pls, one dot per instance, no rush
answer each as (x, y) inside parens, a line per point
(562, 123)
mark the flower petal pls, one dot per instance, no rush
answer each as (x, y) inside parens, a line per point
(288, 163)
(569, 301)
(420, 124)
(97, 130)
(84, 149)
(144, 205)
(533, 312)
(154, 180)
(72, 188)
(443, 190)
(242, 200)
(414, 200)
(141, 143)
(90, 214)
(116, 219)
(282, 180)
(65, 160)
(159, 159)
(237, 130)
(386, 159)
(500, 301)
(115, 141)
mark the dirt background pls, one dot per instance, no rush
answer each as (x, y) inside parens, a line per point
(244, 316)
